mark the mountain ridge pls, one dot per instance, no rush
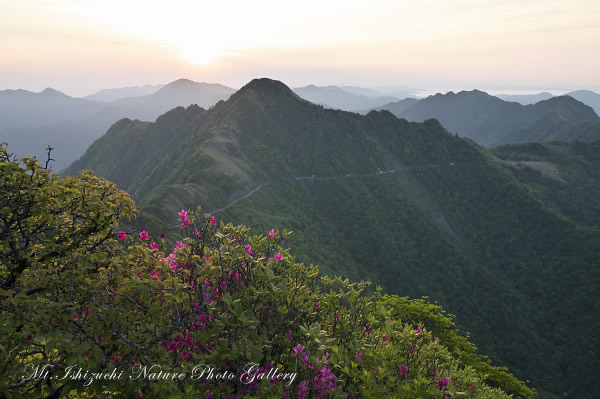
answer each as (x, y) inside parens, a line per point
(492, 121)
(71, 124)
(118, 93)
(347, 99)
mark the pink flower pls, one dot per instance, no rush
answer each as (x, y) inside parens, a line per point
(122, 235)
(403, 369)
(302, 389)
(248, 249)
(144, 235)
(297, 350)
(87, 357)
(443, 382)
(412, 348)
(179, 245)
(163, 234)
(288, 335)
(305, 359)
(153, 274)
(154, 245)
(279, 257)
(272, 234)
(212, 221)
(418, 330)
(186, 222)
(472, 388)
(183, 217)
(359, 356)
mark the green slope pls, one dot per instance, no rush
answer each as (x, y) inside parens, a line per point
(415, 209)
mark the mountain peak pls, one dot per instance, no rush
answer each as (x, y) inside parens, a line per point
(50, 92)
(181, 86)
(181, 82)
(266, 85)
(266, 90)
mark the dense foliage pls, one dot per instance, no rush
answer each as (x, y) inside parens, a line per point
(90, 310)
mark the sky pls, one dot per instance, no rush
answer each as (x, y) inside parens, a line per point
(82, 46)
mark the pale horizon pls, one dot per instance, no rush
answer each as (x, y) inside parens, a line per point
(81, 47)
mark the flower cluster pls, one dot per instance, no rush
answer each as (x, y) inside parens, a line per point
(183, 218)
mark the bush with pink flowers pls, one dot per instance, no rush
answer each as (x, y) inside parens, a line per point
(221, 313)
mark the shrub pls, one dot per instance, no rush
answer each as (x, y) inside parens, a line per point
(89, 310)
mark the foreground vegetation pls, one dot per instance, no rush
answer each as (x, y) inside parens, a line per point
(89, 310)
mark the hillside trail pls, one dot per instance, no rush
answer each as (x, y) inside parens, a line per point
(313, 178)
(434, 212)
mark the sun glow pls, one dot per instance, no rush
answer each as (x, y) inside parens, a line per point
(331, 42)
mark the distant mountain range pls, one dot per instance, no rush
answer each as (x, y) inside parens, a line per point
(123, 92)
(507, 241)
(346, 98)
(30, 122)
(525, 99)
(587, 97)
(492, 121)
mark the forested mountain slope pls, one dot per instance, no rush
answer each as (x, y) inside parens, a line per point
(410, 206)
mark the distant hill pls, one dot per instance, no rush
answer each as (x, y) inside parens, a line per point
(347, 99)
(399, 92)
(123, 92)
(491, 121)
(396, 107)
(526, 99)
(20, 108)
(30, 122)
(413, 208)
(182, 92)
(587, 97)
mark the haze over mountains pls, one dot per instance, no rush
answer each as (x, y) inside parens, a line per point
(346, 98)
(32, 121)
(507, 241)
(526, 99)
(123, 92)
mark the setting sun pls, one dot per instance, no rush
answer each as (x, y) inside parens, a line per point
(468, 43)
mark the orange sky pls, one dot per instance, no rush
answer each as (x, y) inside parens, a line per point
(82, 46)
